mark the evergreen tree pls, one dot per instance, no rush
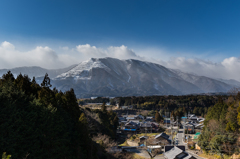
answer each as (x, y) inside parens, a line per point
(44, 126)
(157, 117)
(104, 109)
(46, 81)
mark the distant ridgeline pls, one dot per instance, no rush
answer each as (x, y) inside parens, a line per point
(111, 77)
(39, 122)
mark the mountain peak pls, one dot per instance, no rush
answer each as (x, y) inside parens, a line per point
(113, 77)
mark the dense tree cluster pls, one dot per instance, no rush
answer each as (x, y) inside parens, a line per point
(158, 117)
(222, 123)
(179, 105)
(40, 122)
(96, 100)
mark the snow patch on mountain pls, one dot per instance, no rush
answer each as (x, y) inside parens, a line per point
(82, 71)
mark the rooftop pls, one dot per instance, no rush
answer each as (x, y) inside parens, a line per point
(171, 154)
(162, 135)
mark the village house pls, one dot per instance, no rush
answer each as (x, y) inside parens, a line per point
(192, 118)
(142, 140)
(177, 153)
(162, 139)
(121, 119)
(146, 127)
(134, 117)
(131, 127)
(190, 127)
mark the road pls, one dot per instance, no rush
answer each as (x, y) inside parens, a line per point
(180, 138)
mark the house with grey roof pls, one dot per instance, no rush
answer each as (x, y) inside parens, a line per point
(131, 127)
(121, 119)
(190, 127)
(134, 117)
(177, 153)
(142, 139)
(146, 127)
(162, 139)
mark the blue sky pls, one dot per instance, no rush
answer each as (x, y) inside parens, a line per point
(197, 26)
(158, 29)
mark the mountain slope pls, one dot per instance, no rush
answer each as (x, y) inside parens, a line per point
(230, 82)
(36, 71)
(205, 83)
(114, 77)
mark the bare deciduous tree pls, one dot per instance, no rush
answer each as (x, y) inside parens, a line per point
(105, 141)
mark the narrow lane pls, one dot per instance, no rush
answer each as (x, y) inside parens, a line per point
(180, 138)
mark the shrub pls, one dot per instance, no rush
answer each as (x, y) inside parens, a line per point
(133, 137)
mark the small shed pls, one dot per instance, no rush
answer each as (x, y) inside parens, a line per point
(142, 139)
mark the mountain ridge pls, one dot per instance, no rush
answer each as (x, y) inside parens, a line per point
(114, 77)
(130, 77)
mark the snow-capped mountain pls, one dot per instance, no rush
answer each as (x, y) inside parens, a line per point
(205, 83)
(114, 77)
(230, 82)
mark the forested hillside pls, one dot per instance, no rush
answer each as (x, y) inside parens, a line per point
(221, 131)
(40, 122)
(178, 105)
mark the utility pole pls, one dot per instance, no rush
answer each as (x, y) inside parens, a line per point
(146, 136)
(171, 124)
(177, 121)
(166, 118)
(187, 129)
(184, 123)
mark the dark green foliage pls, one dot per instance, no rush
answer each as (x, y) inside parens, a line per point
(109, 122)
(7, 77)
(158, 118)
(97, 100)
(217, 112)
(46, 81)
(221, 129)
(37, 122)
(179, 104)
(204, 139)
(104, 109)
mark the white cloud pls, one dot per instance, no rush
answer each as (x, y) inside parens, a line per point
(121, 52)
(40, 56)
(91, 51)
(46, 57)
(7, 45)
(227, 69)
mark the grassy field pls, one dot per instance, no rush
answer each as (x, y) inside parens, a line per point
(147, 134)
(124, 144)
(214, 156)
(135, 138)
(136, 156)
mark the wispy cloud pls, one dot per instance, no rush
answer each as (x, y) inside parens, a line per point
(40, 56)
(46, 57)
(226, 69)
(121, 52)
